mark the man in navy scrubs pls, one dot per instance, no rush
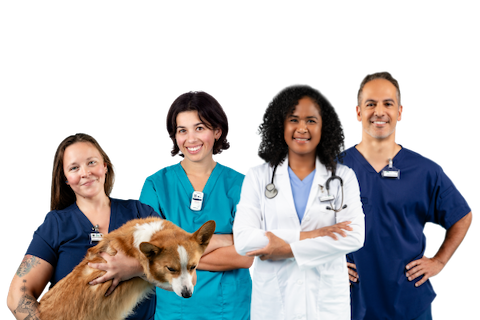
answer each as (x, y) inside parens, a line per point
(400, 192)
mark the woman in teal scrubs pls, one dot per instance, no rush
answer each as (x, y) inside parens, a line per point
(198, 128)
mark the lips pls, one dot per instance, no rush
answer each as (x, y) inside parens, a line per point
(89, 183)
(194, 149)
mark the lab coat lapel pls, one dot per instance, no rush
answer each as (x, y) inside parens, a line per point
(285, 195)
(321, 176)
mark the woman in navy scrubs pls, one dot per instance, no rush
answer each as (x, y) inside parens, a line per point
(82, 180)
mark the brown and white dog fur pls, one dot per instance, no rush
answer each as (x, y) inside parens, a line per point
(167, 253)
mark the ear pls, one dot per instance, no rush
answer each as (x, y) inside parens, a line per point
(149, 250)
(217, 133)
(400, 110)
(358, 116)
(204, 233)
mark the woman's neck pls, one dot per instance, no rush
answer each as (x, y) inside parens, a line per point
(198, 168)
(93, 205)
(301, 165)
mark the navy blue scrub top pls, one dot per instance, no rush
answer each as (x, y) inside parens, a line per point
(64, 238)
(396, 211)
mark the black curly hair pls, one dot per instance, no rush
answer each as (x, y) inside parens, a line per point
(273, 148)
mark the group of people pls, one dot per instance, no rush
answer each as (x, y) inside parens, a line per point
(331, 233)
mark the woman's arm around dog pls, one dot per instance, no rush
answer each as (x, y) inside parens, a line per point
(27, 285)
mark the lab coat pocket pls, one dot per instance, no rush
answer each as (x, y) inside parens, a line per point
(334, 295)
(267, 302)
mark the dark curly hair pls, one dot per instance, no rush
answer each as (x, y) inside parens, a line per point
(210, 112)
(273, 148)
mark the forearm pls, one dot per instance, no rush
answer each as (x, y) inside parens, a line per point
(218, 241)
(224, 259)
(22, 300)
(453, 238)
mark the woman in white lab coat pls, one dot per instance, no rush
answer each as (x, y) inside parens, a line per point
(297, 222)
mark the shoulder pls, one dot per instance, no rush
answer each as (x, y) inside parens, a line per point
(262, 168)
(133, 206)
(344, 171)
(228, 172)
(163, 173)
(347, 156)
(420, 163)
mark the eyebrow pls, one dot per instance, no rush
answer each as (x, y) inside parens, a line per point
(196, 124)
(308, 117)
(372, 100)
(89, 158)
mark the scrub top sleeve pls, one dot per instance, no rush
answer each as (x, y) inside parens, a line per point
(145, 211)
(310, 253)
(44, 243)
(149, 196)
(248, 233)
(450, 206)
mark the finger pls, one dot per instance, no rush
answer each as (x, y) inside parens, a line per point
(413, 264)
(99, 266)
(351, 265)
(333, 236)
(115, 283)
(416, 272)
(98, 280)
(422, 281)
(255, 253)
(353, 279)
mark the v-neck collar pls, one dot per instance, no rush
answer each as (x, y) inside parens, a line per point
(361, 159)
(187, 185)
(87, 221)
(308, 179)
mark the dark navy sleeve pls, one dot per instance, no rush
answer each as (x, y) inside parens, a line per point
(145, 211)
(449, 206)
(45, 241)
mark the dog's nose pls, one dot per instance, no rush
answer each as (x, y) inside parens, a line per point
(186, 293)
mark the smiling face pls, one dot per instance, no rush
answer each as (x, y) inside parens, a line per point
(379, 109)
(303, 129)
(84, 170)
(194, 139)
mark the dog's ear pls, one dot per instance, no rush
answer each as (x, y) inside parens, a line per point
(149, 250)
(204, 233)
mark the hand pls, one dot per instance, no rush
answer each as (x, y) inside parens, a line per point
(339, 228)
(428, 267)
(352, 272)
(276, 249)
(219, 241)
(119, 267)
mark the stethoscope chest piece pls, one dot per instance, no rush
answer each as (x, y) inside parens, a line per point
(270, 191)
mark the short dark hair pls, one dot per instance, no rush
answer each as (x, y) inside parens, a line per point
(209, 111)
(273, 148)
(379, 75)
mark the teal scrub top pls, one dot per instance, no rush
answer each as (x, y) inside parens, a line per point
(217, 295)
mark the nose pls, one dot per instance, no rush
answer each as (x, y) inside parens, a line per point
(191, 137)
(379, 110)
(85, 172)
(186, 293)
(302, 127)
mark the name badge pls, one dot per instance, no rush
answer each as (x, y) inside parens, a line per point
(95, 237)
(391, 172)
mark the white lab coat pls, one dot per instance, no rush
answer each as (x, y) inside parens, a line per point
(314, 284)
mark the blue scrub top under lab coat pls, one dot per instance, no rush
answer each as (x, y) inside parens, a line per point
(64, 238)
(217, 295)
(396, 211)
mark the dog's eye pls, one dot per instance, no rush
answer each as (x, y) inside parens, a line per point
(171, 269)
(192, 268)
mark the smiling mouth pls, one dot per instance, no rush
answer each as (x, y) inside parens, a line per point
(194, 149)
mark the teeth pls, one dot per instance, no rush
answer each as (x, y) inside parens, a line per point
(379, 122)
(300, 139)
(194, 148)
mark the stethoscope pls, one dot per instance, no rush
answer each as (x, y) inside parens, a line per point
(271, 191)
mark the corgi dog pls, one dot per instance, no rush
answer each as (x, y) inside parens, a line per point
(168, 254)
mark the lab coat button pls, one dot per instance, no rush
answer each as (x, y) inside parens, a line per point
(307, 218)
